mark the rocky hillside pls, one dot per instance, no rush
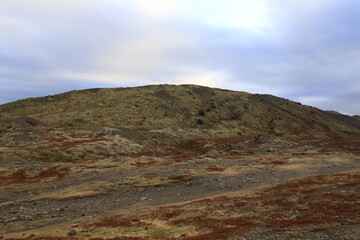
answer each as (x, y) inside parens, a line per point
(176, 162)
(176, 109)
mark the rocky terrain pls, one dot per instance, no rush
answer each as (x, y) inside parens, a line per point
(177, 162)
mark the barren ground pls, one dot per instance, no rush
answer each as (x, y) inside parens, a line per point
(216, 189)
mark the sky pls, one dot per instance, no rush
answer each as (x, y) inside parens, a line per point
(303, 50)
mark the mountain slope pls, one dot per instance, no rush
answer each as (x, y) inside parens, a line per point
(224, 112)
(176, 162)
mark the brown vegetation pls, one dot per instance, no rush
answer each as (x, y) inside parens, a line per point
(21, 177)
(151, 163)
(325, 200)
(214, 168)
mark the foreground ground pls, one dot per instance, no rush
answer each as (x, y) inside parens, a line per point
(254, 188)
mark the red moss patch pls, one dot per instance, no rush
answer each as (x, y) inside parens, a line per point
(223, 228)
(180, 178)
(121, 238)
(149, 154)
(115, 221)
(314, 202)
(46, 238)
(348, 146)
(21, 177)
(64, 143)
(168, 215)
(215, 168)
(181, 156)
(73, 238)
(96, 167)
(151, 163)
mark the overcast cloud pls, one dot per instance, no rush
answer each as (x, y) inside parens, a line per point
(307, 51)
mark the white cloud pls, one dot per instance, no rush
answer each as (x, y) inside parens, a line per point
(241, 14)
(211, 79)
(160, 8)
(296, 49)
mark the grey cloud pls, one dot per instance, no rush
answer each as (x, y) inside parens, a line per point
(58, 46)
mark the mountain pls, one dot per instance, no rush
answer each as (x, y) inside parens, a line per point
(176, 162)
(97, 123)
(206, 111)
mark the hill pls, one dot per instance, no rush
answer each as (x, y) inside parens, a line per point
(176, 162)
(165, 107)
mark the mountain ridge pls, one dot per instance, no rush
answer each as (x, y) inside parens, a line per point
(159, 107)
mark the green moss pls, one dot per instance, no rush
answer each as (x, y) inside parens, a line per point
(160, 233)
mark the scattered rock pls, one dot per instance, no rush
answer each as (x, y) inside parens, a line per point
(228, 205)
(72, 232)
(184, 235)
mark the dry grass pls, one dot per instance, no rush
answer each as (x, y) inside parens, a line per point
(78, 191)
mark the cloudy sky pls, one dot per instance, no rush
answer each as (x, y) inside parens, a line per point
(304, 50)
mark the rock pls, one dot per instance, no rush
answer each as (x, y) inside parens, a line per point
(31, 235)
(228, 205)
(184, 235)
(74, 225)
(2, 237)
(72, 232)
(188, 183)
